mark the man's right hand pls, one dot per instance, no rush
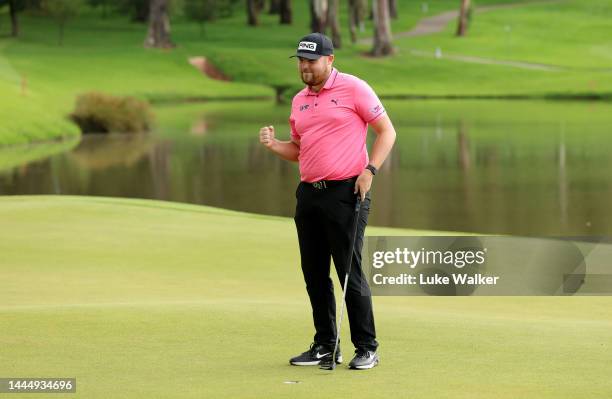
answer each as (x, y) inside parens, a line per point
(288, 150)
(266, 136)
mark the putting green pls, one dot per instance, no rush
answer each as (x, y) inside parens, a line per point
(148, 299)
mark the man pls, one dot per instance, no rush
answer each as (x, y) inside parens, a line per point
(329, 122)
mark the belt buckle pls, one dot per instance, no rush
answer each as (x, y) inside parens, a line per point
(319, 185)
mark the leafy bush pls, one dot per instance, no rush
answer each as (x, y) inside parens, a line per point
(102, 113)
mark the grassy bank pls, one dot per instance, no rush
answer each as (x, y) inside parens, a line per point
(39, 79)
(519, 34)
(15, 155)
(144, 299)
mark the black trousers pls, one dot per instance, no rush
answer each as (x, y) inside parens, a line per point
(324, 221)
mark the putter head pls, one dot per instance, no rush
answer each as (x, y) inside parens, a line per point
(327, 365)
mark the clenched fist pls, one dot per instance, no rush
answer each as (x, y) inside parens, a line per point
(266, 136)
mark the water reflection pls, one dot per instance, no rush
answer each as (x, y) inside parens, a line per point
(99, 151)
(563, 188)
(446, 172)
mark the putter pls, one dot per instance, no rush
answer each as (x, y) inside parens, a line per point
(332, 364)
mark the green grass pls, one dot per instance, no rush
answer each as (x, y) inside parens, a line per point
(107, 54)
(533, 39)
(142, 299)
(104, 55)
(577, 37)
(27, 117)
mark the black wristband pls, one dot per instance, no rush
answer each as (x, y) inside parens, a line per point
(372, 169)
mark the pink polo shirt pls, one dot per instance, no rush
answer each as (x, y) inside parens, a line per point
(332, 125)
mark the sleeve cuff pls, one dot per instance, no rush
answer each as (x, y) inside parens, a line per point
(384, 111)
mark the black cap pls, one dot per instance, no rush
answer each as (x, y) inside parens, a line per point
(313, 46)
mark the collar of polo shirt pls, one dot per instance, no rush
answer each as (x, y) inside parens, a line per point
(328, 84)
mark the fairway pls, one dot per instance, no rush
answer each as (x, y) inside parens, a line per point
(151, 299)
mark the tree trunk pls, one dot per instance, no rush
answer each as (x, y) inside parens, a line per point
(463, 18)
(362, 9)
(382, 29)
(393, 8)
(274, 7)
(353, 19)
(357, 10)
(318, 14)
(14, 20)
(332, 22)
(285, 12)
(252, 12)
(159, 25)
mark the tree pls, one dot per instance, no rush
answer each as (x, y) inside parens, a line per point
(62, 11)
(274, 7)
(393, 8)
(464, 17)
(252, 11)
(14, 20)
(200, 11)
(286, 16)
(15, 7)
(332, 22)
(158, 35)
(318, 16)
(356, 16)
(382, 29)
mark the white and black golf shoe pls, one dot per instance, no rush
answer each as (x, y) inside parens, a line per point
(315, 355)
(364, 359)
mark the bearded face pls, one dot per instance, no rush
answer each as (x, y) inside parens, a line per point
(314, 72)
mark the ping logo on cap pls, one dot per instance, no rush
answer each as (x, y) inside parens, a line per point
(310, 46)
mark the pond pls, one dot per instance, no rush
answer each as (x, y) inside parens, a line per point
(508, 167)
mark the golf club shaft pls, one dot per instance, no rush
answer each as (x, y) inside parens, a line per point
(346, 277)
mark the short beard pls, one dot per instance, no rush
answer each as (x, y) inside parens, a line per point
(311, 82)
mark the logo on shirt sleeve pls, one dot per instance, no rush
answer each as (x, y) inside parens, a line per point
(376, 109)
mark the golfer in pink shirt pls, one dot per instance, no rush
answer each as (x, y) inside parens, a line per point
(329, 123)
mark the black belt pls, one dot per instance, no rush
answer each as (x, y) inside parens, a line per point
(323, 184)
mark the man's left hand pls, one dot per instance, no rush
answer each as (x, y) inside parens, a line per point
(363, 183)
